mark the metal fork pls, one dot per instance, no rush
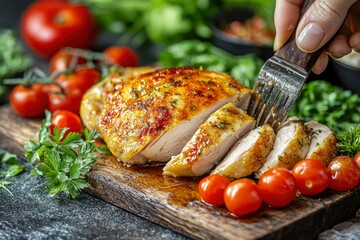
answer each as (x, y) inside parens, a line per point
(280, 81)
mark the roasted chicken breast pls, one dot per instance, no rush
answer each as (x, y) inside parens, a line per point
(150, 117)
(248, 154)
(323, 142)
(291, 145)
(211, 142)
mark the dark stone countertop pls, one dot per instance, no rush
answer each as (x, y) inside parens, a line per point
(31, 214)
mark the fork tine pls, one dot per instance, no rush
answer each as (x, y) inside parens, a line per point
(266, 91)
(269, 106)
(277, 108)
(254, 97)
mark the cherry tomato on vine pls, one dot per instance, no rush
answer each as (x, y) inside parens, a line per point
(277, 187)
(211, 189)
(62, 61)
(344, 174)
(81, 80)
(48, 26)
(121, 56)
(69, 101)
(65, 119)
(311, 176)
(29, 101)
(242, 197)
(357, 158)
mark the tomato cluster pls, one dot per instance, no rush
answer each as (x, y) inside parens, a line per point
(75, 71)
(278, 187)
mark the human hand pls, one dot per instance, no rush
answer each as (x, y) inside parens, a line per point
(319, 24)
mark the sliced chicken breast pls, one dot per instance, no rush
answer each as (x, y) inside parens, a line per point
(291, 145)
(248, 154)
(211, 142)
(323, 142)
(141, 120)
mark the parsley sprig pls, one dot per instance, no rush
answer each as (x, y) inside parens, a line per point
(62, 161)
(10, 166)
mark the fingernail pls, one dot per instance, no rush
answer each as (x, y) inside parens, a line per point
(311, 37)
(276, 43)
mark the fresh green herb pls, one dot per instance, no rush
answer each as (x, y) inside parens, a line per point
(349, 141)
(12, 167)
(205, 55)
(13, 59)
(159, 21)
(64, 162)
(328, 104)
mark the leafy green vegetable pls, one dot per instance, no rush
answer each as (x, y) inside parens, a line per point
(12, 56)
(202, 54)
(333, 106)
(349, 141)
(160, 21)
(12, 167)
(64, 162)
(13, 59)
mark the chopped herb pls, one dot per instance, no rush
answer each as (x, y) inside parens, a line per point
(221, 125)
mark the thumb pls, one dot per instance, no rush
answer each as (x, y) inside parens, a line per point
(320, 23)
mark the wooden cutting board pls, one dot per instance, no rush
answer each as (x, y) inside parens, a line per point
(175, 203)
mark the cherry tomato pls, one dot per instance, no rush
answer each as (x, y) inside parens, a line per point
(65, 119)
(80, 80)
(357, 158)
(211, 189)
(70, 101)
(48, 26)
(62, 61)
(242, 197)
(121, 56)
(277, 187)
(29, 101)
(311, 176)
(344, 174)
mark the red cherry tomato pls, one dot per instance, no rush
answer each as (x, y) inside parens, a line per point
(80, 80)
(70, 101)
(121, 56)
(29, 101)
(344, 174)
(311, 177)
(65, 119)
(277, 187)
(357, 158)
(62, 61)
(211, 189)
(48, 26)
(242, 197)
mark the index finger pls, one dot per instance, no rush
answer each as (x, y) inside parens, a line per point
(286, 17)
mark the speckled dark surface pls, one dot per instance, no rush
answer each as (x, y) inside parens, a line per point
(31, 214)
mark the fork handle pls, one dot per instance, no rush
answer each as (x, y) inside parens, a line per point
(290, 51)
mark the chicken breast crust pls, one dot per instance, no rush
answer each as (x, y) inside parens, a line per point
(93, 100)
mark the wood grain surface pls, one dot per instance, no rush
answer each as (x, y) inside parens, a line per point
(175, 203)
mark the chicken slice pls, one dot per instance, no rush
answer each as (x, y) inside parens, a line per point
(323, 142)
(141, 123)
(211, 142)
(248, 154)
(291, 145)
(92, 101)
